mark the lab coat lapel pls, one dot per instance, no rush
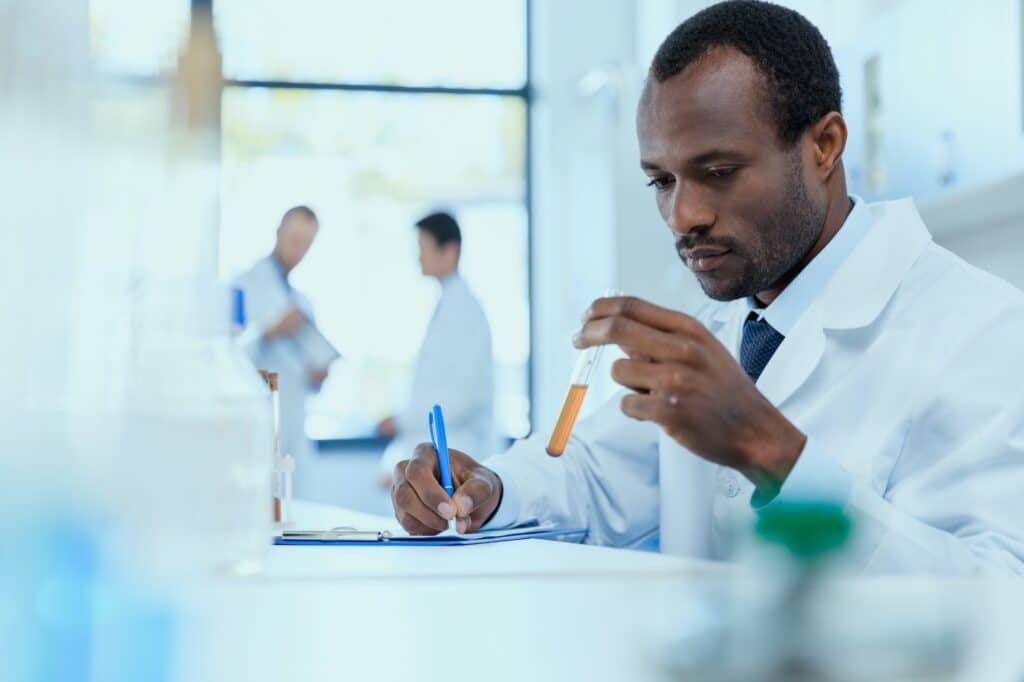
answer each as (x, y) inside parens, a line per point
(865, 283)
(853, 298)
(795, 359)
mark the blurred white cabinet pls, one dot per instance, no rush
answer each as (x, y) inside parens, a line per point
(933, 96)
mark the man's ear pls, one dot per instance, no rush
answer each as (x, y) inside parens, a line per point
(828, 137)
(454, 251)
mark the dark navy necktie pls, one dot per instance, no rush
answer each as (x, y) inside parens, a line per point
(759, 343)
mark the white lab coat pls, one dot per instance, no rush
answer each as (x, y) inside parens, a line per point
(454, 369)
(267, 297)
(905, 372)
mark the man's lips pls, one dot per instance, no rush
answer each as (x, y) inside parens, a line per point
(705, 259)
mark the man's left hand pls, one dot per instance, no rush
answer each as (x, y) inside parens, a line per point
(687, 382)
(316, 377)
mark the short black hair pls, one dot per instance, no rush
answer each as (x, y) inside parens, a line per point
(800, 73)
(304, 211)
(442, 227)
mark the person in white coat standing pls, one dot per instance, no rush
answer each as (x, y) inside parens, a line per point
(455, 367)
(845, 357)
(275, 313)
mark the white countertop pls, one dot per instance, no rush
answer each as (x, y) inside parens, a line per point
(525, 610)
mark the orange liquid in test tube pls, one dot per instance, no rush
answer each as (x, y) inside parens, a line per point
(585, 363)
(566, 419)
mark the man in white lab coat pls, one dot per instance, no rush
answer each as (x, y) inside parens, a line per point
(845, 357)
(455, 368)
(275, 312)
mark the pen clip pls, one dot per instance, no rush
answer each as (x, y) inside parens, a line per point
(433, 435)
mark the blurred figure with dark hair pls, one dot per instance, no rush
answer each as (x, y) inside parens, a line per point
(454, 367)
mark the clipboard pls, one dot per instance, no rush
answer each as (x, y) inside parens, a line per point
(347, 536)
(316, 350)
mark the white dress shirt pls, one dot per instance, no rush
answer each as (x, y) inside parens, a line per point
(900, 363)
(454, 369)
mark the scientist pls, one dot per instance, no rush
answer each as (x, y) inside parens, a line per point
(454, 367)
(845, 356)
(277, 312)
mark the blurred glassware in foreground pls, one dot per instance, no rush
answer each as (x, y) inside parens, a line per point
(70, 614)
(194, 404)
(787, 615)
(123, 391)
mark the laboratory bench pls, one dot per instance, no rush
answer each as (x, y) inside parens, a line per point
(525, 610)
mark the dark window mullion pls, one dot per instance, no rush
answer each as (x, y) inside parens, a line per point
(378, 87)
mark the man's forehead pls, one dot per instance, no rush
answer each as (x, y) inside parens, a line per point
(301, 222)
(719, 97)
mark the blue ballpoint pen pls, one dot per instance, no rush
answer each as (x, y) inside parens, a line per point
(439, 439)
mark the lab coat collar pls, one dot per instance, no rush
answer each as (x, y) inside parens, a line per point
(865, 281)
(450, 280)
(787, 308)
(278, 268)
(854, 297)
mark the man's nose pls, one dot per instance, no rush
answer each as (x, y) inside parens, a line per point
(688, 211)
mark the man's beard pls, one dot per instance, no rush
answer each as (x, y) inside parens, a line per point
(783, 241)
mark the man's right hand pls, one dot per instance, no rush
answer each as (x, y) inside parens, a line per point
(423, 507)
(285, 325)
(387, 428)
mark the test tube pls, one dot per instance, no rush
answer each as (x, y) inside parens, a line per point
(275, 401)
(573, 400)
(585, 363)
(288, 475)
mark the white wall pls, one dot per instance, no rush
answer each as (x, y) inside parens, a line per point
(595, 223)
(574, 189)
(947, 66)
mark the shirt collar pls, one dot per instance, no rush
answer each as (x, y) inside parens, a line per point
(279, 269)
(450, 280)
(785, 311)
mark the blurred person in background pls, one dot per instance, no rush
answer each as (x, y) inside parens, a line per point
(454, 368)
(278, 311)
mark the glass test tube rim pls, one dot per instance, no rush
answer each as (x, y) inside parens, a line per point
(585, 364)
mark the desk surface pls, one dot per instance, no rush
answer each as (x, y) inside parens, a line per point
(560, 612)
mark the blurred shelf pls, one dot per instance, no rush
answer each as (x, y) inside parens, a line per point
(994, 204)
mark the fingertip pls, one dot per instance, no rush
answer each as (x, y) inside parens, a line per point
(464, 504)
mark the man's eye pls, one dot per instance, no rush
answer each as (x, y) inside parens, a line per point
(660, 182)
(723, 172)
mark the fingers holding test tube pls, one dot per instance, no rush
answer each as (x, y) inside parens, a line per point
(687, 382)
(640, 328)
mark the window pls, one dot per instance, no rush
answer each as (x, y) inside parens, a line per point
(373, 115)
(456, 43)
(371, 164)
(137, 38)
